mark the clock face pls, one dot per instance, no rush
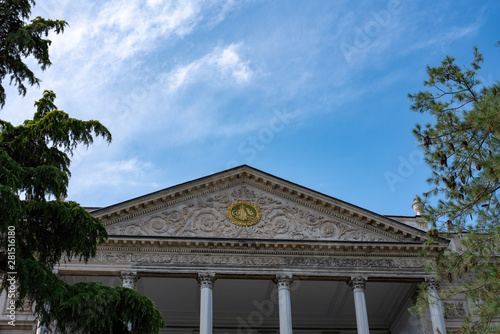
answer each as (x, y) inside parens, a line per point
(243, 213)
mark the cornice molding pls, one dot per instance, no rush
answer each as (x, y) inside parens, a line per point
(286, 247)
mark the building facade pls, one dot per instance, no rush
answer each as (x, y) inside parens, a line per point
(243, 251)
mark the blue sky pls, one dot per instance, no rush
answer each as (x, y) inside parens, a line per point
(314, 92)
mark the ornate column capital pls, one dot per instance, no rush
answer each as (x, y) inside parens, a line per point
(431, 283)
(283, 281)
(357, 283)
(128, 278)
(206, 280)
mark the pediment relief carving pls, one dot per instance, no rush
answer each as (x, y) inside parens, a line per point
(281, 219)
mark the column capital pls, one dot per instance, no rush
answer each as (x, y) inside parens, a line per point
(357, 283)
(206, 280)
(128, 278)
(431, 283)
(283, 281)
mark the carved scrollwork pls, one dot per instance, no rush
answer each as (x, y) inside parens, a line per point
(158, 225)
(279, 223)
(206, 217)
(330, 229)
(207, 221)
(173, 216)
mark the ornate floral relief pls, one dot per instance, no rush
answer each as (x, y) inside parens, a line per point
(206, 217)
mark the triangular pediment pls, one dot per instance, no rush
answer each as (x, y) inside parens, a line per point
(199, 209)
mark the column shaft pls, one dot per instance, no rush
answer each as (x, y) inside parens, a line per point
(206, 281)
(283, 282)
(44, 329)
(129, 279)
(358, 284)
(435, 307)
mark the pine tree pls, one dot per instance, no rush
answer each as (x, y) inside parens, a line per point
(462, 148)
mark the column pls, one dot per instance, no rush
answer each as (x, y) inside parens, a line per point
(128, 278)
(435, 307)
(206, 281)
(44, 329)
(283, 282)
(358, 284)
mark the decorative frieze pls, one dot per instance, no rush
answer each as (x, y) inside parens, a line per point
(232, 260)
(197, 259)
(354, 262)
(454, 309)
(112, 257)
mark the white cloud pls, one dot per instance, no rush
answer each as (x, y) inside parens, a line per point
(221, 65)
(446, 37)
(104, 37)
(128, 172)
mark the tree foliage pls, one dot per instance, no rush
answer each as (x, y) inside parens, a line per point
(34, 177)
(19, 39)
(462, 148)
